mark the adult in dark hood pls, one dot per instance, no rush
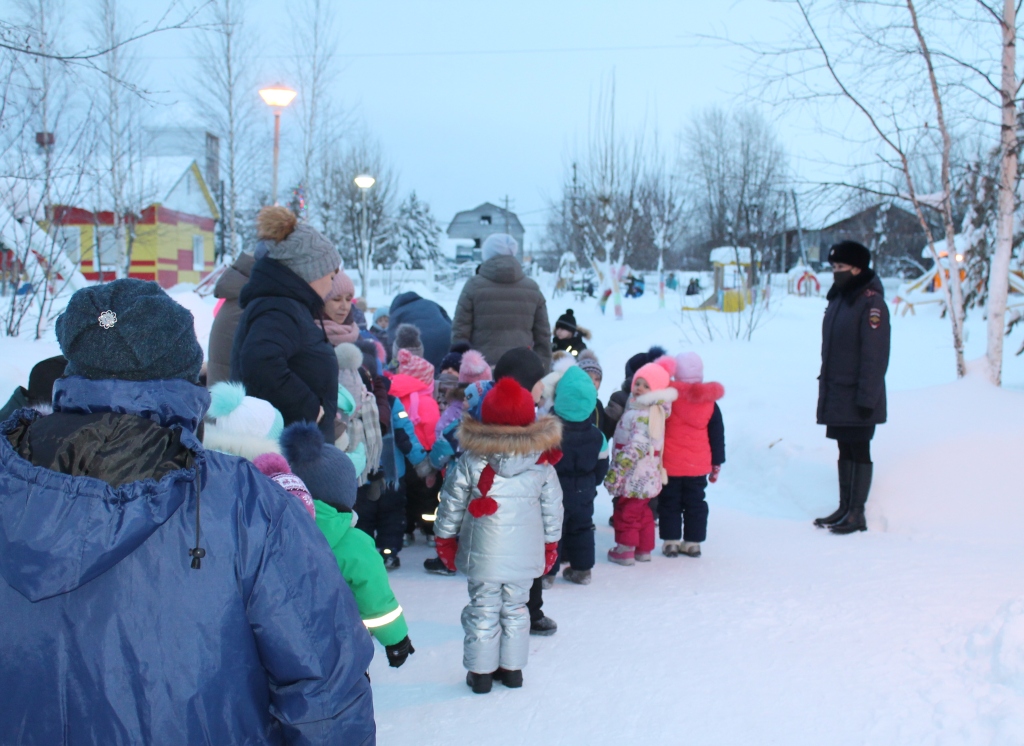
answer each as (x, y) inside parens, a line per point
(39, 393)
(433, 322)
(851, 387)
(222, 333)
(280, 352)
(501, 308)
(153, 591)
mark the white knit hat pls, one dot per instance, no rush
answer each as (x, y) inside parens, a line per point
(239, 414)
(498, 244)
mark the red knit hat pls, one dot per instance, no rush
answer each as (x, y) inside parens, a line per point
(508, 403)
(415, 366)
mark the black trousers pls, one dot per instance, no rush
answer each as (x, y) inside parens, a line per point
(420, 500)
(682, 510)
(857, 451)
(384, 518)
(577, 544)
(536, 601)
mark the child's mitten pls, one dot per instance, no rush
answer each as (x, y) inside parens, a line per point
(398, 652)
(446, 551)
(550, 556)
(713, 476)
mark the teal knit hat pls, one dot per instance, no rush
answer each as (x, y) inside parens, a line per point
(575, 396)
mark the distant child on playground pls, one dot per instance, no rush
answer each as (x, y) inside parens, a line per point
(636, 474)
(694, 454)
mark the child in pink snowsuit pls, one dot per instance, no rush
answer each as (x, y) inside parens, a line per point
(636, 474)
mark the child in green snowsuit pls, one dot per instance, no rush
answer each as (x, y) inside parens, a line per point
(325, 471)
(248, 427)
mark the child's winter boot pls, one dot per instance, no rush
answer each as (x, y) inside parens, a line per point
(622, 555)
(671, 548)
(691, 548)
(642, 556)
(391, 561)
(436, 566)
(579, 577)
(511, 679)
(547, 582)
(480, 683)
(543, 627)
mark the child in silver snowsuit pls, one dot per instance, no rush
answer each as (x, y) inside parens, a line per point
(499, 522)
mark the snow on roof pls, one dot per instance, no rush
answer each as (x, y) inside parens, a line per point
(727, 255)
(161, 173)
(960, 240)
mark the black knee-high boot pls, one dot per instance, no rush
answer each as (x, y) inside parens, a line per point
(854, 520)
(845, 478)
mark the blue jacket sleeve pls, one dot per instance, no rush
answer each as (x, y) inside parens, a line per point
(311, 640)
(405, 434)
(716, 436)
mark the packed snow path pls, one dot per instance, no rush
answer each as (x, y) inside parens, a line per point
(780, 633)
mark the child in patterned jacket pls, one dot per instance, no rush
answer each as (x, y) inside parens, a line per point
(636, 474)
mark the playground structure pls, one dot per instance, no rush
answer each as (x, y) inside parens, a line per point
(570, 277)
(802, 281)
(928, 288)
(732, 290)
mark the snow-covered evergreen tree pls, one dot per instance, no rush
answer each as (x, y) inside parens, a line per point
(416, 234)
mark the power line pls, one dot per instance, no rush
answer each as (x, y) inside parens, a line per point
(464, 52)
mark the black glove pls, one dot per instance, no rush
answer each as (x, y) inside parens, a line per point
(398, 652)
(865, 412)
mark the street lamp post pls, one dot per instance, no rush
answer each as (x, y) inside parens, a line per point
(364, 182)
(277, 97)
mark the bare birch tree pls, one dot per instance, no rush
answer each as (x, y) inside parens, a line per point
(226, 86)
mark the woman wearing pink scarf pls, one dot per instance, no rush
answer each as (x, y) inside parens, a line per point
(339, 321)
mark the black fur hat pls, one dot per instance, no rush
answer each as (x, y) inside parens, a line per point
(850, 252)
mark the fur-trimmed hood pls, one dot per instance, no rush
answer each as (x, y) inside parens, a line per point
(508, 440)
(654, 397)
(699, 393)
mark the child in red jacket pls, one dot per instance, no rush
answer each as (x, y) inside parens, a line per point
(694, 454)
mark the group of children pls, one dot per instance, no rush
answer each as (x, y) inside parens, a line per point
(521, 453)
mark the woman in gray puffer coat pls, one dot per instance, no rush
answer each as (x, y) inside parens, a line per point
(501, 308)
(499, 522)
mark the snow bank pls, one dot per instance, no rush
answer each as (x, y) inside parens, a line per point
(950, 472)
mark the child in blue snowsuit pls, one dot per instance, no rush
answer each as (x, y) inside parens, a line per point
(581, 469)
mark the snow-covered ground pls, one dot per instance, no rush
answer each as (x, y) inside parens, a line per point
(912, 633)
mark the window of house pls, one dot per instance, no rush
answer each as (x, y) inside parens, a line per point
(485, 220)
(198, 254)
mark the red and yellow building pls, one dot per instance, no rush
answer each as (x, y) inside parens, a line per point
(171, 240)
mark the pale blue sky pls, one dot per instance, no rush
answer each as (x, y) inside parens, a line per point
(504, 114)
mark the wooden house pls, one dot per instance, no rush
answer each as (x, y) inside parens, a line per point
(479, 223)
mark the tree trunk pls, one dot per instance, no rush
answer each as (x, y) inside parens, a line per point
(999, 271)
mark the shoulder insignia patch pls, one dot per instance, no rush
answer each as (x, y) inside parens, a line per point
(875, 318)
(869, 292)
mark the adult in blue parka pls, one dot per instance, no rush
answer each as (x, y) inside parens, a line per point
(153, 592)
(433, 322)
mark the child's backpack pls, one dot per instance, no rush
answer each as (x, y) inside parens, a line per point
(361, 416)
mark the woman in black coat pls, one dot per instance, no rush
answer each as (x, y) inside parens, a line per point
(280, 353)
(851, 387)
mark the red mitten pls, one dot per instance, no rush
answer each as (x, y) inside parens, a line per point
(446, 551)
(713, 476)
(550, 556)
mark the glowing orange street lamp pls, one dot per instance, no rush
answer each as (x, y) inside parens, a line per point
(277, 97)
